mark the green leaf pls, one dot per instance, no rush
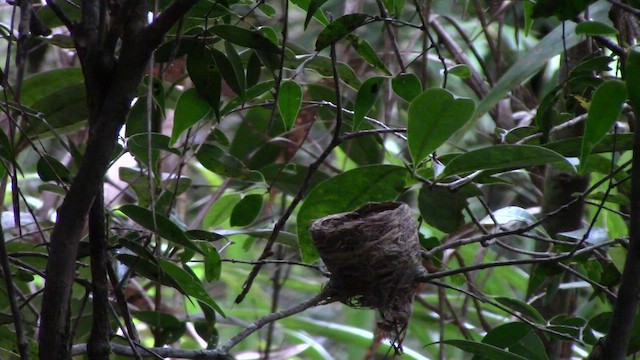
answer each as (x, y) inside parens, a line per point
(367, 96)
(212, 263)
(238, 67)
(267, 9)
(61, 108)
(215, 159)
(167, 329)
(244, 37)
(160, 225)
(228, 72)
(366, 51)
(364, 150)
(407, 86)
(221, 210)
(42, 84)
(604, 111)
(190, 108)
(50, 169)
(290, 177)
(434, 116)
(443, 208)
(592, 28)
(506, 335)
(345, 192)
(632, 76)
(564, 10)
(322, 65)
(189, 285)
(523, 308)
(138, 146)
(340, 28)
(247, 210)
(251, 93)
(147, 268)
(484, 350)
(157, 319)
(527, 10)
(289, 102)
(462, 71)
(314, 5)
(502, 157)
(204, 73)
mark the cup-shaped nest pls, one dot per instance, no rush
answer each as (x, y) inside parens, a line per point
(373, 255)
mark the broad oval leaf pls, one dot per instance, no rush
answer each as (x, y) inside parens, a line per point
(443, 208)
(505, 335)
(39, 85)
(62, 108)
(595, 28)
(228, 71)
(366, 51)
(220, 211)
(190, 108)
(289, 102)
(238, 67)
(167, 329)
(189, 285)
(407, 86)
(434, 116)
(345, 192)
(314, 5)
(340, 28)
(462, 71)
(148, 268)
(158, 319)
(502, 157)
(564, 10)
(604, 111)
(50, 169)
(212, 263)
(247, 210)
(367, 95)
(244, 37)
(523, 308)
(204, 73)
(160, 224)
(219, 161)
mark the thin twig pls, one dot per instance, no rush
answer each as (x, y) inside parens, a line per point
(322, 298)
(313, 168)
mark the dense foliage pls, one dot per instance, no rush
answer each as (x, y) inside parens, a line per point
(163, 163)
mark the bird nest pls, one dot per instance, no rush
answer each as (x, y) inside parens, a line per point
(373, 255)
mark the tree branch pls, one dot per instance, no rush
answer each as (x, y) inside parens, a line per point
(626, 306)
(314, 301)
(98, 346)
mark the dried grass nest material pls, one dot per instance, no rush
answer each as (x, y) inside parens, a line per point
(373, 255)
